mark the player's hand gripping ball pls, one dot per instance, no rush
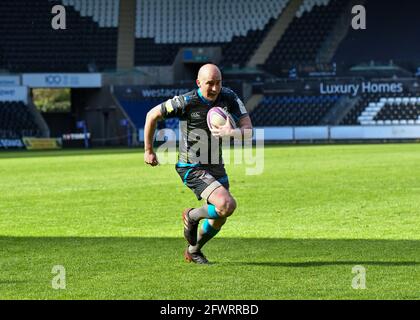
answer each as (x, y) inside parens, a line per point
(219, 122)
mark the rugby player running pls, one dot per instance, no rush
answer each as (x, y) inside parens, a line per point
(199, 171)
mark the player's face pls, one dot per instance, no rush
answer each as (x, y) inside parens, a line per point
(210, 86)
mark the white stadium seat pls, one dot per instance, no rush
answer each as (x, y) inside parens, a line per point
(369, 113)
(397, 111)
(239, 16)
(307, 5)
(104, 12)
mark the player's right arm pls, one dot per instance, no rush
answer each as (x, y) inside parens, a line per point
(153, 116)
(172, 108)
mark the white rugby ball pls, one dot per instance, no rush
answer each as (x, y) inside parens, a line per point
(218, 117)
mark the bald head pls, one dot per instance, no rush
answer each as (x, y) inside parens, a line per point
(209, 70)
(209, 80)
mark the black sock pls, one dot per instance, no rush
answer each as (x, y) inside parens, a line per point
(206, 233)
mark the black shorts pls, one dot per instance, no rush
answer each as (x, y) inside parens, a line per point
(202, 179)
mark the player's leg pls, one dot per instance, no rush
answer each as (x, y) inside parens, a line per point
(223, 202)
(220, 204)
(224, 205)
(202, 183)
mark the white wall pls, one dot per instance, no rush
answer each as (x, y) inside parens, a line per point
(335, 133)
(342, 132)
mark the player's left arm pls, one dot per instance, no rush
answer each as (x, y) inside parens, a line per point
(243, 122)
(244, 128)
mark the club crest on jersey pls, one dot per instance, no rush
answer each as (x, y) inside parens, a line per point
(195, 115)
(224, 107)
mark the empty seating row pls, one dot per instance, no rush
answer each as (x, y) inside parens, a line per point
(292, 110)
(270, 99)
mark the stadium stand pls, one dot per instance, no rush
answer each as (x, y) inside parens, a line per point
(134, 106)
(237, 26)
(191, 21)
(384, 109)
(276, 110)
(104, 12)
(137, 109)
(405, 110)
(392, 110)
(352, 116)
(16, 121)
(304, 36)
(30, 44)
(392, 28)
(240, 49)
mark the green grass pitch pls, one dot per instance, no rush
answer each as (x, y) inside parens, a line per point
(115, 225)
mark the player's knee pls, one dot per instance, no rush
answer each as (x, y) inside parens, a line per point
(227, 207)
(218, 223)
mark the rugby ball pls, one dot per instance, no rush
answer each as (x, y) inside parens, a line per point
(218, 117)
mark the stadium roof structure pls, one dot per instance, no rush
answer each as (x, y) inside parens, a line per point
(378, 69)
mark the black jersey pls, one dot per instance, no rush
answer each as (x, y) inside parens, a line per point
(197, 145)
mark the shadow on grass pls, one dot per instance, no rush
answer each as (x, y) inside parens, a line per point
(12, 281)
(9, 154)
(253, 252)
(327, 263)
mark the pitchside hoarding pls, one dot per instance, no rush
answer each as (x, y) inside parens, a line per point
(349, 87)
(14, 94)
(42, 143)
(149, 92)
(62, 80)
(11, 143)
(9, 81)
(138, 100)
(354, 89)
